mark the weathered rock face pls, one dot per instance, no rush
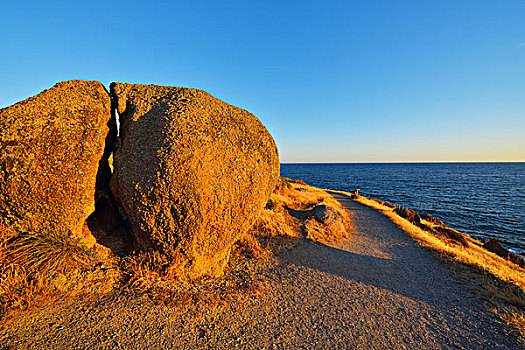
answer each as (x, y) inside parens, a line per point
(408, 214)
(51, 147)
(454, 235)
(192, 172)
(495, 247)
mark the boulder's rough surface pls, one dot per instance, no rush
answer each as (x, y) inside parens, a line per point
(51, 147)
(192, 172)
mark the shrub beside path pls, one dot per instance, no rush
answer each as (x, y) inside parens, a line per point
(378, 290)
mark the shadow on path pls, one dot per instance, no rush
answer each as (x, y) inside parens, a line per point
(406, 268)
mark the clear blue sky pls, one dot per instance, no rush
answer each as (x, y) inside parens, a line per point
(333, 81)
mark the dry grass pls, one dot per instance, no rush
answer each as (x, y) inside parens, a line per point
(474, 255)
(48, 254)
(161, 280)
(144, 269)
(515, 319)
(277, 229)
(30, 262)
(480, 261)
(498, 282)
(35, 269)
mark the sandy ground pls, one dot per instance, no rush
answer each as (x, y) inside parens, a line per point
(379, 290)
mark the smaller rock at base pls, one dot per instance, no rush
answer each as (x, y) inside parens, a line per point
(326, 215)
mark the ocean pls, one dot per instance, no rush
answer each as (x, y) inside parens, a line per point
(484, 200)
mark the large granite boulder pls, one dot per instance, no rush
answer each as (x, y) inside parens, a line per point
(51, 147)
(192, 172)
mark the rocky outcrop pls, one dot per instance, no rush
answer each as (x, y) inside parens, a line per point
(51, 147)
(440, 229)
(495, 247)
(192, 172)
(408, 214)
(291, 181)
(451, 234)
(326, 215)
(432, 219)
(321, 213)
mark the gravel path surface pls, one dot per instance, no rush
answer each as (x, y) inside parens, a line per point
(379, 290)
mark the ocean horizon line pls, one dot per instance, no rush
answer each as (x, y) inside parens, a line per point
(406, 162)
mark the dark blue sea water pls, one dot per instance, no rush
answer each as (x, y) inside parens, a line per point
(484, 200)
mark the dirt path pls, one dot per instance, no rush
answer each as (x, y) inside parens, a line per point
(379, 290)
